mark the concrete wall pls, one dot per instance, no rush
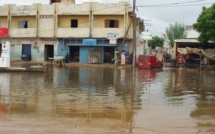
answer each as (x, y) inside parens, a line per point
(23, 10)
(4, 10)
(75, 9)
(113, 8)
(46, 20)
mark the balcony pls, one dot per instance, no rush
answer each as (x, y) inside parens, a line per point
(73, 32)
(23, 32)
(103, 32)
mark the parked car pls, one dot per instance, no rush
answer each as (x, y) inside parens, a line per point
(148, 61)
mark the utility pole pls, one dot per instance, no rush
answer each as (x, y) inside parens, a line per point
(134, 33)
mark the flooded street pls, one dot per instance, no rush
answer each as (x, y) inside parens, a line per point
(93, 100)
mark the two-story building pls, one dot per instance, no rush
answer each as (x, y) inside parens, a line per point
(88, 32)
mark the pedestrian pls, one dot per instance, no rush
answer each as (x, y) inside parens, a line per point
(123, 58)
(116, 57)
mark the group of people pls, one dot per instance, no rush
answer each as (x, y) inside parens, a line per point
(122, 56)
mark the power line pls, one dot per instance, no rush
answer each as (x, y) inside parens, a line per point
(171, 3)
(182, 5)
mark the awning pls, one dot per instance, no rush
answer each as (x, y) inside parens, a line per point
(209, 53)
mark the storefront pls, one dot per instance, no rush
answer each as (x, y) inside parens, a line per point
(88, 50)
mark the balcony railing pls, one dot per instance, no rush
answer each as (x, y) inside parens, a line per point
(23, 32)
(72, 32)
(103, 32)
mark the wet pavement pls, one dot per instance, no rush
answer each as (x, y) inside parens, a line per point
(92, 100)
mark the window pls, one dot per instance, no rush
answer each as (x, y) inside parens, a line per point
(74, 23)
(111, 23)
(23, 24)
(146, 59)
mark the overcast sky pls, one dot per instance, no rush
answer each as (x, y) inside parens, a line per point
(158, 14)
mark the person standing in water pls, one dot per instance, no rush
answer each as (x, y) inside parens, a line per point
(123, 58)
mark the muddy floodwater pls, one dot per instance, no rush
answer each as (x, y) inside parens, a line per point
(95, 100)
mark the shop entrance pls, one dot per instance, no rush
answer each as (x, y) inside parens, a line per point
(74, 53)
(49, 52)
(108, 54)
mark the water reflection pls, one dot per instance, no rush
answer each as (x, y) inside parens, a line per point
(134, 100)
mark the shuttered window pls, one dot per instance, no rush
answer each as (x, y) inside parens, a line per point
(111, 23)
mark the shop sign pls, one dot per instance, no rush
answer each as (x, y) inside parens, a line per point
(112, 36)
(112, 41)
(89, 42)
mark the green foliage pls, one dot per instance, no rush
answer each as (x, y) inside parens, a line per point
(156, 42)
(205, 24)
(175, 31)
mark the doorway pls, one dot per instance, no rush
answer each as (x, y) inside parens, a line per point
(75, 53)
(49, 52)
(26, 52)
(108, 54)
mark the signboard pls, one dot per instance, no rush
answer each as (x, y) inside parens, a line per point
(112, 36)
(146, 35)
(89, 42)
(112, 41)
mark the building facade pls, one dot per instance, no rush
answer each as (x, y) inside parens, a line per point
(88, 32)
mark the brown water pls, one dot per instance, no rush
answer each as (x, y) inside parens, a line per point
(105, 100)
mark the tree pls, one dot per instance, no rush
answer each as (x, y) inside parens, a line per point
(156, 42)
(175, 31)
(205, 24)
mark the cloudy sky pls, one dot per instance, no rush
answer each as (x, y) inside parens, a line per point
(158, 14)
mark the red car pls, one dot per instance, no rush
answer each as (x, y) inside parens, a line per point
(148, 61)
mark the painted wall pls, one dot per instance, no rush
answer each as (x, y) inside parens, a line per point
(62, 50)
(84, 54)
(65, 21)
(3, 21)
(37, 53)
